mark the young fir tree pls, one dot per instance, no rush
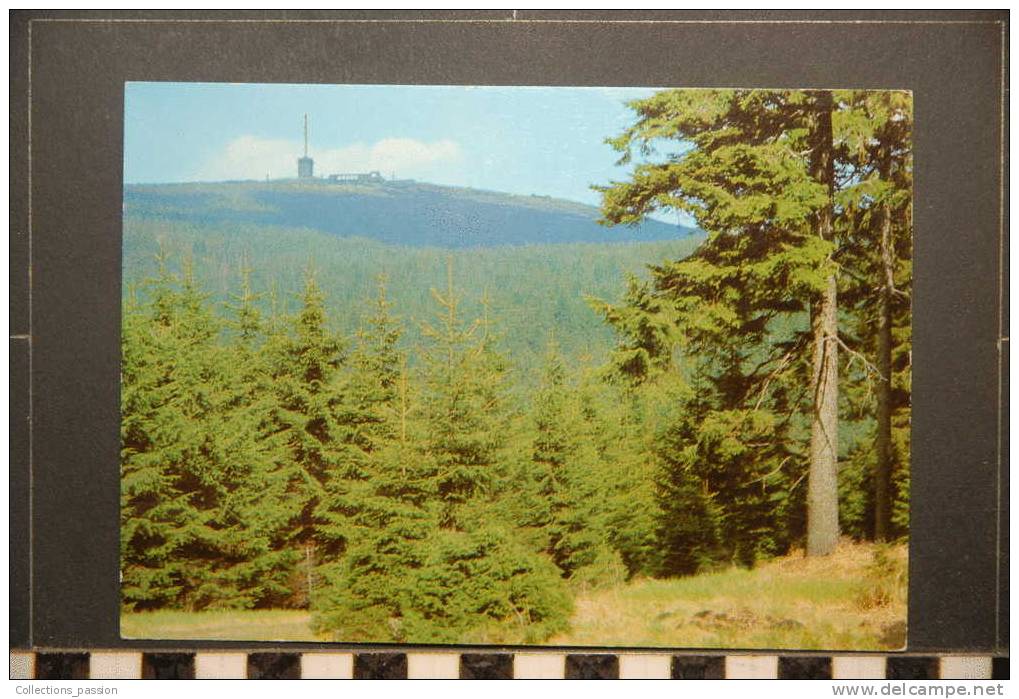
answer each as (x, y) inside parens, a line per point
(619, 420)
(150, 524)
(261, 499)
(570, 508)
(756, 169)
(689, 526)
(476, 579)
(722, 449)
(191, 466)
(304, 363)
(377, 507)
(464, 405)
(367, 389)
(389, 516)
(166, 347)
(485, 586)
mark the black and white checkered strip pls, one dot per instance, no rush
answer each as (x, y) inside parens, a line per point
(209, 664)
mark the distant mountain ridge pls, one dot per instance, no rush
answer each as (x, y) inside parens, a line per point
(401, 212)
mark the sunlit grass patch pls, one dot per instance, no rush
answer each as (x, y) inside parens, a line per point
(791, 602)
(247, 625)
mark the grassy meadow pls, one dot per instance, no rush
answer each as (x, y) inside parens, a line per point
(855, 598)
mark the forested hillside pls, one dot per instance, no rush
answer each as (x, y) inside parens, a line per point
(533, 291)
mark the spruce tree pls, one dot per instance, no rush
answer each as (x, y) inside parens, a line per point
(376, 505)
(477, 579)
(822, 483)
(724, 443)
(756, 169)
(192, 467)
(304, 363)
(877, 148)
(464, 406)
(260, 498)
(617, 422)
(367, 390)
(570, 505)
(167, 482)
(389, 530)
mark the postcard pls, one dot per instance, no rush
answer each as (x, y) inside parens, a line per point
(568, 366)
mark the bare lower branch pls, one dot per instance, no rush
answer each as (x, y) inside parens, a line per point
(863, 360)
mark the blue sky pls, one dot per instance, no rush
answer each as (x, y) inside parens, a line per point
(522, 140)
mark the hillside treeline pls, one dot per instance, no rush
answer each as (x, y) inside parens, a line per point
(533, 289)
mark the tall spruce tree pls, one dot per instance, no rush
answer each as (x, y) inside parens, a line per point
(876, 145)
(756, 169)
(822, 483)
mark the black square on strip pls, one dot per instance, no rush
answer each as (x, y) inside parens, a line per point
(380, 666)
(274, 666)
(911, 668)
(592, 667)
(804, 668)
(698, 667)
(486, 666)
(61, 666)
(168, 666)
(999, 668)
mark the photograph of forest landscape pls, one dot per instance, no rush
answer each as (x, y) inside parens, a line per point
(564, 366)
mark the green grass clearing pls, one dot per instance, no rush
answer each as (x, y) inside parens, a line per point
(792, 602)
(246, 625)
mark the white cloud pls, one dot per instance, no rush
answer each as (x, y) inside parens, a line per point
(250, 158)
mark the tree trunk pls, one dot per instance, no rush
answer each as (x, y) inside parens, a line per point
(883, 444)
(822, 482)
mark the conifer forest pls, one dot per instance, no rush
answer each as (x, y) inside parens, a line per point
(460, 445)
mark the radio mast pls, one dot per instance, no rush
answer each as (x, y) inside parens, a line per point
(305, 165)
